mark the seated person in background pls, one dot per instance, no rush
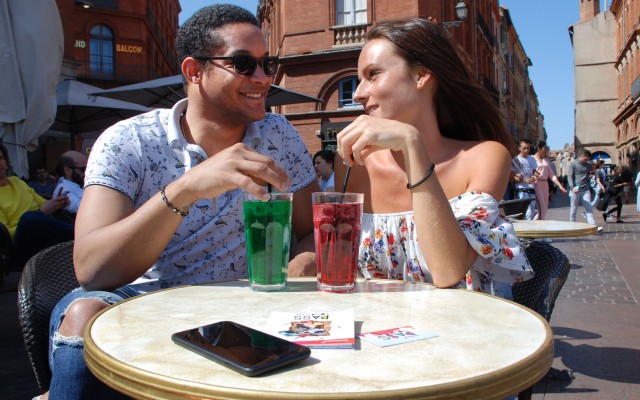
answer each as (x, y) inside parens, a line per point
(430, 154)
(43, 184)
(323, 164)
(71, 168)
(162, 205)
(17, 198)
(27, 216)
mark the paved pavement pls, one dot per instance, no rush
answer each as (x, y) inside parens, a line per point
(596, 321)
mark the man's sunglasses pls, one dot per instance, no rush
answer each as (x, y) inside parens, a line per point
(83, 169)
(246, 65)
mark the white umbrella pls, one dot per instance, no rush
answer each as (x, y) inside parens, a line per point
(165, 92)
(31, 50)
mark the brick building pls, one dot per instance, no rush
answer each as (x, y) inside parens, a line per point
(595, 80)
(319, 42)
(607, 81)
(110, 43)
(627, 65)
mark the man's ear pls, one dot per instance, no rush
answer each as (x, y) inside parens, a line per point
(191, 70)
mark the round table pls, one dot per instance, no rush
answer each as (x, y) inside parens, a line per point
(537, 229)
(486, 348)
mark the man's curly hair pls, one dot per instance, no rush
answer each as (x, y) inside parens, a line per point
(197, 36)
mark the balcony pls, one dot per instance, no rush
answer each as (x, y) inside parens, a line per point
(349, 35)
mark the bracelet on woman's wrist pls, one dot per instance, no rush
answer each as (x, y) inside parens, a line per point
(183, 213)
(423, 180)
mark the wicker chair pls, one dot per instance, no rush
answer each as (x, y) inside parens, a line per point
(539, 293)
(551, 269)
(47, 277)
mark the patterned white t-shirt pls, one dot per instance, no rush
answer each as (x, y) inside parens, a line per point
(140, 155)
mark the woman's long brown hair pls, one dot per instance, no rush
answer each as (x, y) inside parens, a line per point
(465, 111)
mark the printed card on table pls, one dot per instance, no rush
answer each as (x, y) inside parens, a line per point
(317, 330)
(393, 336)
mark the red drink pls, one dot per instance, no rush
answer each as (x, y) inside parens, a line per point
(337, 240)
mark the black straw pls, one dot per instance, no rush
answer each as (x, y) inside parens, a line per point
(346, 179)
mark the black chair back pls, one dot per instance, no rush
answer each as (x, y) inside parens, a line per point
(47, 277)
(516, 209)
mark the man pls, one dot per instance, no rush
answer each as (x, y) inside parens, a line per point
(163, 191)
(42, 184)
(578, 181)
(323, 164)
(71, 168)
(524, 168)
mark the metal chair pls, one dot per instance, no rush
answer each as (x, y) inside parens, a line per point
(515, 209)
(47, 277)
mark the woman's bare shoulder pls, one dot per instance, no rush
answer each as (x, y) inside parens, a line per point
(485, 152)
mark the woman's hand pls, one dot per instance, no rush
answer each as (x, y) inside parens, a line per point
(371, 134)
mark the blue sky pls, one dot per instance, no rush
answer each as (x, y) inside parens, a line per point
(542, 26)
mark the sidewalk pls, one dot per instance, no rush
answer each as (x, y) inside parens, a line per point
(596, 320)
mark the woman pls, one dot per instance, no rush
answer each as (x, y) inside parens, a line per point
(545, 174)
(16, 197)
(613, 192)
(431, 156)
(30, 231)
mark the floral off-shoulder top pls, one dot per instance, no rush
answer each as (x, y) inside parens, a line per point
(389, 247)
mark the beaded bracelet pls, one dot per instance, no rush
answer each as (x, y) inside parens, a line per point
(171, 206)
(421, 181)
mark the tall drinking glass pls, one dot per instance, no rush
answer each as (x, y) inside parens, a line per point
(267, 226)
(336, 228)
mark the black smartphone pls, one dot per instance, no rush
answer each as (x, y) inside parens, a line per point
(243, 349)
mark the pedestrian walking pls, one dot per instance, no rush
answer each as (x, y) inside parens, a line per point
(637, 183)
(578, 177)
(614, 192)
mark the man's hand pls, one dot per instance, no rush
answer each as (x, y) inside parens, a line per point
(303, 264)
(56, 204)
(236, 167)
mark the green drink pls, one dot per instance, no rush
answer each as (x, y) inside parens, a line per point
(267, 226)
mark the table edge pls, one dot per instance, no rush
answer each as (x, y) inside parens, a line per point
(141, 384)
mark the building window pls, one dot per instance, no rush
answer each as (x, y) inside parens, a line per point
(351, 12)
(347, 88)
(101, 52)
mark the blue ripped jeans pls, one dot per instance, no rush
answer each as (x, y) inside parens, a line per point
(71, 377)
